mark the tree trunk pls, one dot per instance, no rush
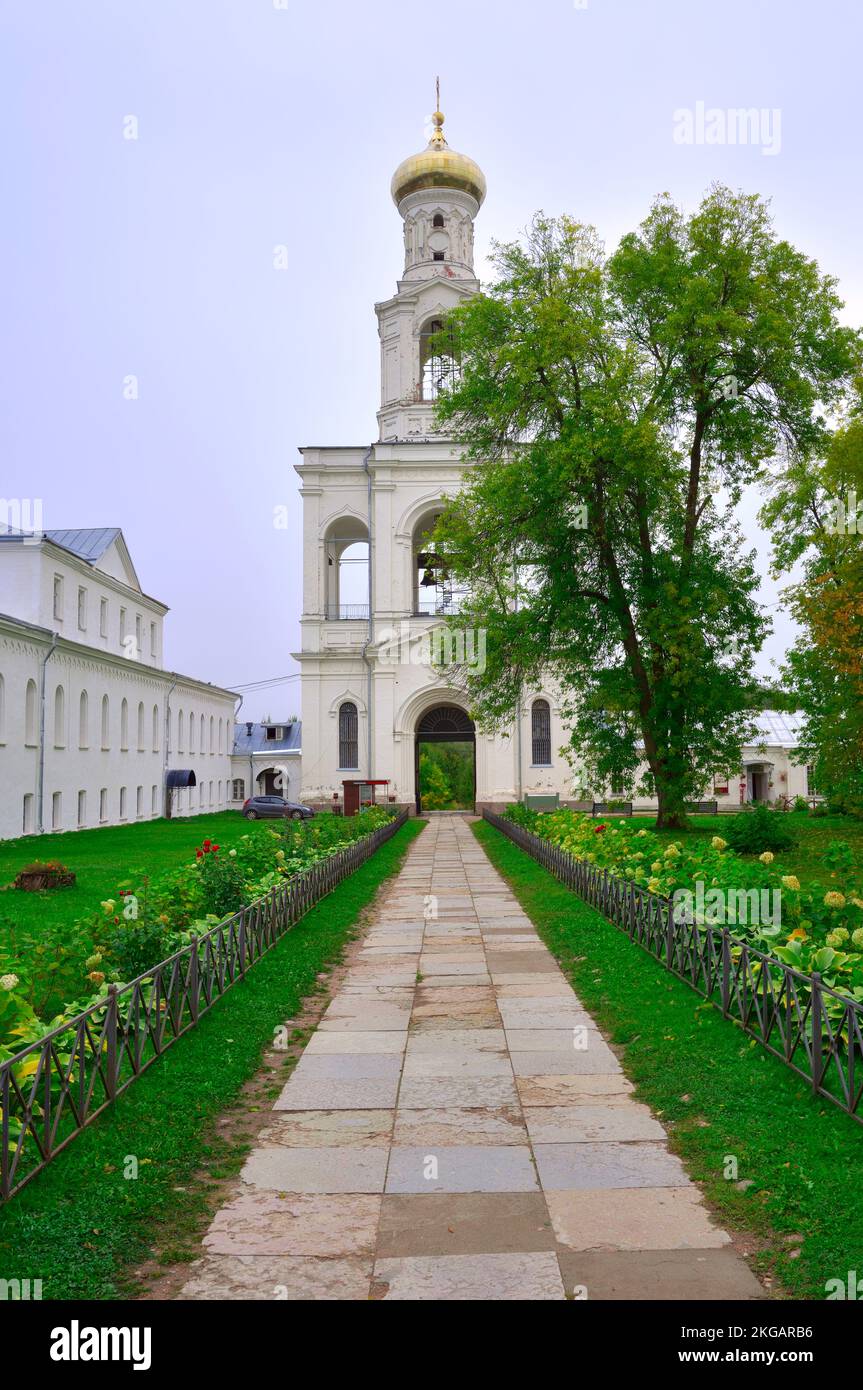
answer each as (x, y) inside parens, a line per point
(671, 814)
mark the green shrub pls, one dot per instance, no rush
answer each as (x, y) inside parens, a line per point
(801, 805)
(759, 831)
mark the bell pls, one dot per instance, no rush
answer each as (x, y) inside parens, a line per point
(428, 580)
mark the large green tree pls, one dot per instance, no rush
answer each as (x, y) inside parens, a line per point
(614, 409)
(815, 513)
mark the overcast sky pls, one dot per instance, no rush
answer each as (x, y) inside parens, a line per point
(278, 123)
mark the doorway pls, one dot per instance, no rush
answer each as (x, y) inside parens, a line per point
(445, 760)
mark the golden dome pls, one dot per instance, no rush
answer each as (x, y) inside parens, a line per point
(438, 166)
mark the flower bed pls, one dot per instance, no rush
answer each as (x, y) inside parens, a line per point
(812, 928)
(46, 980)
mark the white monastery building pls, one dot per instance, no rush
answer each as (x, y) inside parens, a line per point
(93, 729)
(371, 588)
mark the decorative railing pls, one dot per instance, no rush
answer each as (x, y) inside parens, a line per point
(814, 1029)
(53, 1088)
(347, 612)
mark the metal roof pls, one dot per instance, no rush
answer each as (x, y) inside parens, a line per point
(778, 727)
(88, 543)
(256, 741)
(181, 777)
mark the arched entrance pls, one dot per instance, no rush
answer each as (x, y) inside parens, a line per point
(445, 760)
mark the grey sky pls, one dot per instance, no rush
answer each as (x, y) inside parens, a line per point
(263, 124)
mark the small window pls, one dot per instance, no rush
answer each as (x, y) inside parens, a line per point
(618, 784)
(124, 726)
(437, 220)
(103, 617)
(30, 700)
(239, 789)
(59, 717)
(140, 726)
(720, 783)
(540, 730)
(82, 609)
(106, 717)
(153, 652)
(103, 805)
(155, 728)
(27, 820)
(139, 803)
(154, 800)
(57, 811)
(348, 735)
(83, 721)
(811, 785)
(139, 633)
(122, 803)
(58, 597)
(437, 255)
(82, 809)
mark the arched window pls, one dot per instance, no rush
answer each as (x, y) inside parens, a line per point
(346, 576)
(124, 725)
(437, 220)
(180, 734)
(155, 728)
(348, 735)
(83, 721)
(239, 789)
(59, 717)
(212, 747)
(2, 710)
(221, 741)
(30, 697)
(201, 739)
(438, 360)
(191, 733)
(435, 592)
(140, 726)
(106, 722)
(540, 733)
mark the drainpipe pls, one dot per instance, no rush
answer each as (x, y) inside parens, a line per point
(171, 690)
(40, 775)
(371, 631)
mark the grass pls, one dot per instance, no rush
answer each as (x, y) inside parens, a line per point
(718, 1093)
(812, 833)
(81, 1226)
(101, 859)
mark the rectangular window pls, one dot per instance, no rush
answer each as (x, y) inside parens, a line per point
(122, 803)
(720, 783)
(27, 821)
(57, 811)
(811, 788)
(139, 802)
(153, 651)
(154, 801)
(103, 618)
(103, 805)
(540, 733)
(239, 789)
(122, 624)
(58, 597)
(139, 636)
(82, 609)
(618, 784)
(82, 808)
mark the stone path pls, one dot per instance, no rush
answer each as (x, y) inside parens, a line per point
(457, 1128)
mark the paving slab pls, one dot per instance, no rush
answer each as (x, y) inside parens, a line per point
(579, 1124)
(520, 1277)
(658, 1218)
(279, 1278)
(502, 1125)
(699, 1275)
(262, 1223)
(471, 1223)
(337, 1169)
(305, 1129)
(462, 1168)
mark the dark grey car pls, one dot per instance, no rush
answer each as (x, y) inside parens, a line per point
(259, 807)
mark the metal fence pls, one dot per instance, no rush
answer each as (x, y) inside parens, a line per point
(53, 1088)
(814, 1029)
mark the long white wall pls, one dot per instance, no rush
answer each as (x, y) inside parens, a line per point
(111, 729)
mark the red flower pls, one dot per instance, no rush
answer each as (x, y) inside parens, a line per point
(199, 853)
(207, 844)
(214, 848)
(116, 921)
(598, 829)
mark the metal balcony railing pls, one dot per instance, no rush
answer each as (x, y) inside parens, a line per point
(347, 612)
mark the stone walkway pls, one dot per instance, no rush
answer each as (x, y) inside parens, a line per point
(457, 1128)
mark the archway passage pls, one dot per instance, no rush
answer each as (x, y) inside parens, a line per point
(445, 760)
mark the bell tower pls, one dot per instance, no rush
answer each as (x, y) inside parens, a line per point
(438, 193)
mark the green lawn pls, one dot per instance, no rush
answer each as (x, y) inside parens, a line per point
(719, 1094)
(81, 1226)
(813, 834)
(101, 859)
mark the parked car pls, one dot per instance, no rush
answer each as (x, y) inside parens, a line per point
(258, 807)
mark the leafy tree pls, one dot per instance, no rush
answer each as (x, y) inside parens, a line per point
(614, 410)
(816, 517)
